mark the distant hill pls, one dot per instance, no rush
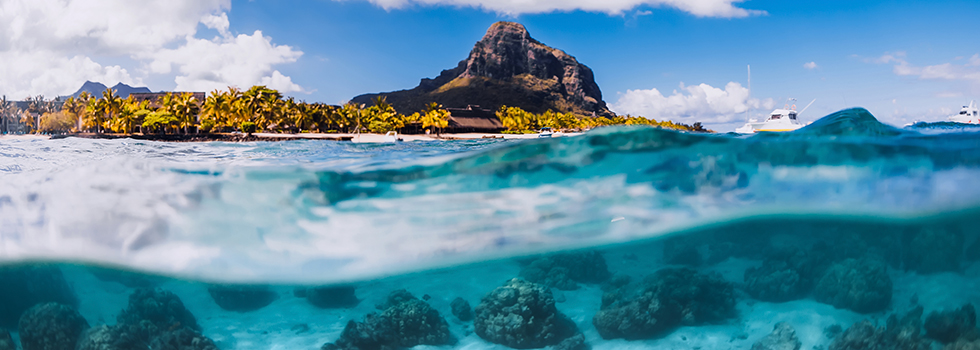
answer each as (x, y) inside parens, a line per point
(507, 67)
(96, 89)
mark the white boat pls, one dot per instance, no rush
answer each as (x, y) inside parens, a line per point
(781, 119)
(545, 132)
(968, 114)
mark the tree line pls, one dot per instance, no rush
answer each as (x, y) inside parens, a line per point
(263, 109)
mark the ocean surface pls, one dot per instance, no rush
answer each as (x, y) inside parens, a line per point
(846, 234)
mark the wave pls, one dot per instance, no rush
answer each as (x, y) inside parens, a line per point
(308, 211)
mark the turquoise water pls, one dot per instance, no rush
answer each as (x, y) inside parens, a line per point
(623, 238)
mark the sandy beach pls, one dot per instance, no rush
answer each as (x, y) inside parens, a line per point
(357, 138)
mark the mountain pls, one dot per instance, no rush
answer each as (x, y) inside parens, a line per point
(507, 67)
(96, 89)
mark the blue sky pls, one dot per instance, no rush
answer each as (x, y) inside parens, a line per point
(903, 60)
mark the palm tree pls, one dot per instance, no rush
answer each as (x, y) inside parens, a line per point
(218, 108)
(186, 109)
(435, 116)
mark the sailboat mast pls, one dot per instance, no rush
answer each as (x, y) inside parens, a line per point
(749, 67)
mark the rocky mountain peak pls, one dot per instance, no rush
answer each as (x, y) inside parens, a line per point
(508, 67)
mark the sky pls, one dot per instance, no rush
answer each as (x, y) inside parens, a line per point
(682, 60)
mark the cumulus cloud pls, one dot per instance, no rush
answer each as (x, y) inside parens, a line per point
(969, 71)
(51, 47)
(699, 8)
(810, 65)
(702, 102)
(242, 61)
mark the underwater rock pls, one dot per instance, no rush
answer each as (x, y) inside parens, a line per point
(783, 337)
(6, 342)
(575, 342)
(666, 299)
(158, 308)
(563, 270)
(861, 285)
(395, 298)
(775, 281)
(242, 298)
(898, 334)
(24, 286)
(947, 326)
(406, 322)
(51, 326)
(681, 251)
(522, 315)
(153, 319)
(963, 345)
(462, 309)
(332, 297)
(935, 249)
(182, 339)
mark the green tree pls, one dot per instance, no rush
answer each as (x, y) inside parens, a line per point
(435, 117)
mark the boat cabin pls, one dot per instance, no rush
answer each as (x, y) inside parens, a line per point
(783, 114)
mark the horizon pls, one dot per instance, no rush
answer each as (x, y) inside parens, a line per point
(682, 61)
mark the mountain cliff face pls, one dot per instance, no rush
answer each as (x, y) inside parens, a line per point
(507, 67)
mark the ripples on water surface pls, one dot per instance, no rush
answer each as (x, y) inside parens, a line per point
(624, 238)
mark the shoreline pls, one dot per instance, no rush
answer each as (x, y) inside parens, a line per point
(274, 137)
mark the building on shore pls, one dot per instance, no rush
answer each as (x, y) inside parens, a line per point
(473, 119)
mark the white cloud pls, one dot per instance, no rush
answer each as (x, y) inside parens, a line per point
(241, 61)
(51, 47)
(970, 71)
(699, 8)
(703, 103)
(810, 65)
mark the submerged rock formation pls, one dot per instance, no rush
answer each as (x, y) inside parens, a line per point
(667, 299)
(507, 67)
(860, 285)
(154, 319)
(949, 325)
(783, 337)
(405, 322)
(51, 326)
(522, 315)
(331, 297)
(242, 298)
(898, 334)
(462, 309)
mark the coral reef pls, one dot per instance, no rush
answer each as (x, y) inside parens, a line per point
(861, 285)
(157, 307)
(562, 271)
(935, 249)
(242, 298)
(787, 274)
(947, 326)
(406, 322)
(182, 339)
(783, 337)
(898, 334)
(51, 326)
(331, 297)
(27, 285)
(461, 309)
(522, 315)
(575, 342)
(154, 319)
(666, 299)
